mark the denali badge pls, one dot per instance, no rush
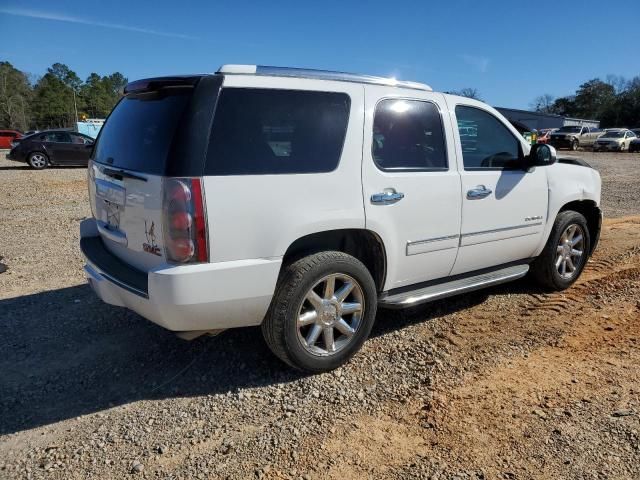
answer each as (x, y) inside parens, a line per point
(532, 219)
(150, 245)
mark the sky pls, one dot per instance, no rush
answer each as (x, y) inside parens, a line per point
(510, 51)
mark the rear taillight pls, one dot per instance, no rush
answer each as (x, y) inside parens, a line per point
(185, 231)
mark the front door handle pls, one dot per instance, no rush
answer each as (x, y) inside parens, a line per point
(388, 197)
(478, 192)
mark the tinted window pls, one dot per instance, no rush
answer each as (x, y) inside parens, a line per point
(263, 131)
(79, 139)
(57, 137)
(486, 141)
(407, 135)
(139, 132)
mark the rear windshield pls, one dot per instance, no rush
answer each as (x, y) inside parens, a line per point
(139, 132)
(614, 134)
(263, 131)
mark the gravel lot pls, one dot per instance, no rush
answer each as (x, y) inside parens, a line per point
(92, 391)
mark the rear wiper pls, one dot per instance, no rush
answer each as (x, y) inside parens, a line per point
(120, 174)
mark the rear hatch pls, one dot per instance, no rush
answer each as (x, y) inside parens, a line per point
(147, 137)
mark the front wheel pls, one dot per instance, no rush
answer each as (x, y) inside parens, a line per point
(574, 145)
(322, 311)
(38, 160)
(565, 254)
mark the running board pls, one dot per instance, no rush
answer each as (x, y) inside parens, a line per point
(455, 287)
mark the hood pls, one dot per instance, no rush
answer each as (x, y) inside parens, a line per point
(610, 139)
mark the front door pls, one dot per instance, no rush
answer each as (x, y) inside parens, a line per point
(411, 185)
(504, 207)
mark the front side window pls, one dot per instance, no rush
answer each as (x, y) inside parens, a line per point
(266, 131)
(408, 135)
(79, 139)
(487, 144)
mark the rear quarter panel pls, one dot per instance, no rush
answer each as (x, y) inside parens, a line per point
(259, 216)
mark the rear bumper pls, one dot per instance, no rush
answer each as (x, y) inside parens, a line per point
(182, 298)
(12, 156)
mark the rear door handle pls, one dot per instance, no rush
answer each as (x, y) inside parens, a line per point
(388, 197)
(478, 192)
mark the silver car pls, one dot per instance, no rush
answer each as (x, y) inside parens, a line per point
(615, 140)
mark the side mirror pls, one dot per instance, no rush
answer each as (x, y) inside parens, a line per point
(541, 155)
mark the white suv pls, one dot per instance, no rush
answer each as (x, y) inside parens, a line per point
(302, 200)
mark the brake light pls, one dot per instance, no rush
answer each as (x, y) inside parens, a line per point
(185, 230)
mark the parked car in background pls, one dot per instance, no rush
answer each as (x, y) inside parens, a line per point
(545, 134)
(634, 145)
(7, 137)
(53, 147)
(305, 199)
(615, 140)
(574, 137)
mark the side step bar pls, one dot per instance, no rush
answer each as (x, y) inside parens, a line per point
(455, 287)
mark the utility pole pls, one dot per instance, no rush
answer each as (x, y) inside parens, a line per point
(24, 118)
(75, 106)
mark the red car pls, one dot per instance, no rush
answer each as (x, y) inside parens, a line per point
(544, 134)
(8, 136)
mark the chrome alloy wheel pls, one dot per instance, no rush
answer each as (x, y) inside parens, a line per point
(570, 251)
(38, 160)
(330, 314)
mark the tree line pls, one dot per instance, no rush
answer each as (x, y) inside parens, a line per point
(614, 101)
(51, 101)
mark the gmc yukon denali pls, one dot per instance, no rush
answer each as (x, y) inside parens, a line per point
(304, 200)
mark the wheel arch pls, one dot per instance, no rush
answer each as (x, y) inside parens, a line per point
(362, 244)
(38, 150)
(592, 213)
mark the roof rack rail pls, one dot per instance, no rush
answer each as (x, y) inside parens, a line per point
(320, 75)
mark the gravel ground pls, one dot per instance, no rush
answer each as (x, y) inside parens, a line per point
(92, 391)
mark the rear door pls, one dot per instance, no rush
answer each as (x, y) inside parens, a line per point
(59, 147)
(411, 185)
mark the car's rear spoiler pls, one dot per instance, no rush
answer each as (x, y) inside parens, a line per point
(152, 84)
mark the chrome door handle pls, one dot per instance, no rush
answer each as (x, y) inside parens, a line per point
(388, 197)
(478, 192)
(117, 236)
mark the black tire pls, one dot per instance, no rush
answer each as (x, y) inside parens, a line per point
(574, 144)
(280, 327)
(38, 160)
(544, 270)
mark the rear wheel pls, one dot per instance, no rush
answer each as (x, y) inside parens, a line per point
(322, 311)
(38, 160)
(565, 254)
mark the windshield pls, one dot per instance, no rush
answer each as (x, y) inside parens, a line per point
(570, 130)
(613, 135)
(139, 132)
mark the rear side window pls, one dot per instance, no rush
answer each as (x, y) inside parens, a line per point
(487, 144)
(139, 132)
(408, 135)
(266, 131)
(57, 137)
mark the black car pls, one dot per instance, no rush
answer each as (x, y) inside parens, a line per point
(53, 147)
(634, 146)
